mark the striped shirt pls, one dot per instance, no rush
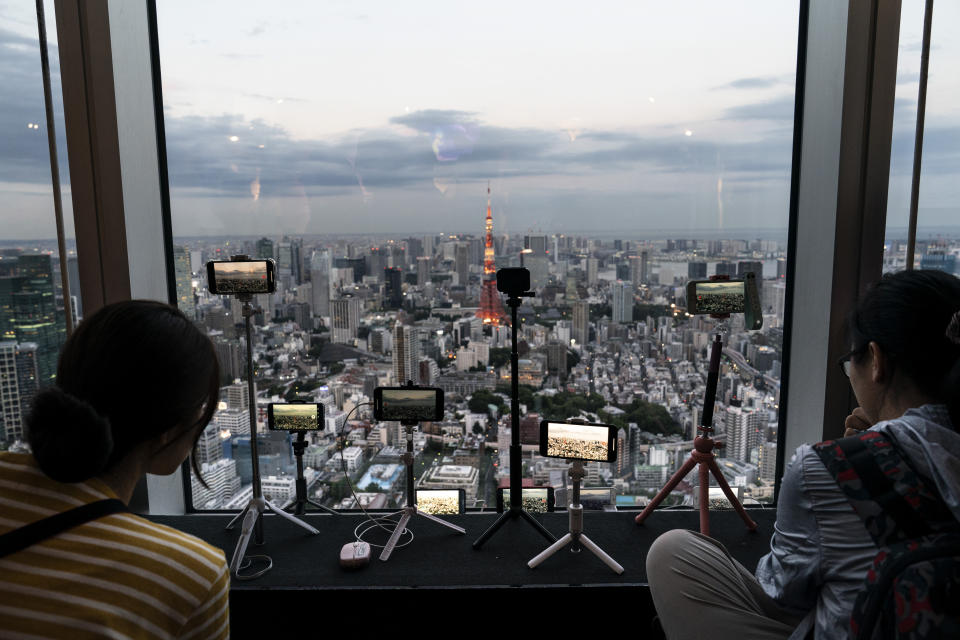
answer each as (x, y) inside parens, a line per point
(120, 576)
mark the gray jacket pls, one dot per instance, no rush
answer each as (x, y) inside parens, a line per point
(820, 550)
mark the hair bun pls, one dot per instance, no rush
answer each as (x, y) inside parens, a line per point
(70, 440)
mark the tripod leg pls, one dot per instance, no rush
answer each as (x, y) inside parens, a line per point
(539, 527)
(323, 508)
(430, 516)
(703, 487)
(246, 531)
(751, 525)
(667, 488)
(600, 553)
(395, 536)
(549, 551)
(506, 515)
(237, 517)
(290, 518)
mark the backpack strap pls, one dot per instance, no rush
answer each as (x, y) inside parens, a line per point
(31, 534)
(893, 500)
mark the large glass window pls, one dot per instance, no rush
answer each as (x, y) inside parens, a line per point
(938, 233)
(32, 301)
(620, 152)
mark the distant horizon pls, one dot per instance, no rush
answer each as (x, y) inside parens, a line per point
(656, 235)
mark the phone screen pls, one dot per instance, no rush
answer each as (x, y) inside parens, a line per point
(578, 441)
(721, 297)
(408, 404)
(241, 277)
(438, 501)
(295, 417)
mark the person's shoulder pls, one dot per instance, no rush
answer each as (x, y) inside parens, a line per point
(201, 558)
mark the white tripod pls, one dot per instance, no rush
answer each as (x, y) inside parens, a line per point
(411, 509)
(575, 535)
(251, 514)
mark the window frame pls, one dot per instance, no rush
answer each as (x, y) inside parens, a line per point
(843, 120)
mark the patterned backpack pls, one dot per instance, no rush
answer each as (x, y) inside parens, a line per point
(912, 590)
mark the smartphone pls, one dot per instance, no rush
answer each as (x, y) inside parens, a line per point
(716, 297)
(438, 502)
(574, 441)
(596, 499)
(228, 277)
(534, 499)
(408, 403)
(299, 416)
(723, 297)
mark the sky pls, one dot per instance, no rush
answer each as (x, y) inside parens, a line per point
(346, 117)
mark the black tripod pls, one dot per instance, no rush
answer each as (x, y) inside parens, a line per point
(514, 300)
(298, 506)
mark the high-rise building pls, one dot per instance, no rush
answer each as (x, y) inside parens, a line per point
(392, 290)
(697, 270)
(10, 410)
(237, 396)
(320, 266)
(230, 356)
(593, 266)
(536, 244)
(406, 354)
(376, 262)
(580, 329)
(265, 249)
(345, 320)
(621, 295)
(184, 281)
(743, 433)
(725, 269)
(639, 268)
(423, 270)
(30, 297)
(462, 264)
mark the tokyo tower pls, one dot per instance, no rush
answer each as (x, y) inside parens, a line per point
(491, 308)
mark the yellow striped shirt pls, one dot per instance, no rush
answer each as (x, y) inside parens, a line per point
(120, 576)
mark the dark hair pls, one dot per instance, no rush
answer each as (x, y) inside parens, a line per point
(130, 372)
(908, 314)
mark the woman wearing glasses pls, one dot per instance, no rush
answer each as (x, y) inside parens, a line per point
(904, 369)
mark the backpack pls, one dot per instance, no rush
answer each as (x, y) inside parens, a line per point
(912, 589)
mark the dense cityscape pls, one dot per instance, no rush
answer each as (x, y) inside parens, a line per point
(606, 339)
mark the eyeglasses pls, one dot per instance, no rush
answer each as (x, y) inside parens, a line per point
(846, 360)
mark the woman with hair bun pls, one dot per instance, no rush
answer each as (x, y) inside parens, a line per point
(904, 369)
(136, 385)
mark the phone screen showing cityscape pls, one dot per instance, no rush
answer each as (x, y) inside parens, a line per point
(241, 277)
(409, 404)
(720, 297)
(578, 441)
(295, 417)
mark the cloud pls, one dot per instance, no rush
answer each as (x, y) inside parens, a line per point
(777, 109)
(758, 82)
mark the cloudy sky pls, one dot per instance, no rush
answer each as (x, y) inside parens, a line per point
(344, 117)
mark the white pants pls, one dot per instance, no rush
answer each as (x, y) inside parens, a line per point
(700, 591)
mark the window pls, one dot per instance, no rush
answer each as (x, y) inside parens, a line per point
(937, 235)
(33, 306)
(622, 153)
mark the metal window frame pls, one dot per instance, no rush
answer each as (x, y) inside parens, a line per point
(116, 151)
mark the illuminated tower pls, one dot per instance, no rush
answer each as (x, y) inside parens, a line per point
(491, 308)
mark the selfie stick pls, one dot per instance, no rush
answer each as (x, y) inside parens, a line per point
(576, 536)
(298, 506)
(251, 514)
(702, 454)
(410, 509)
(514, 300)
